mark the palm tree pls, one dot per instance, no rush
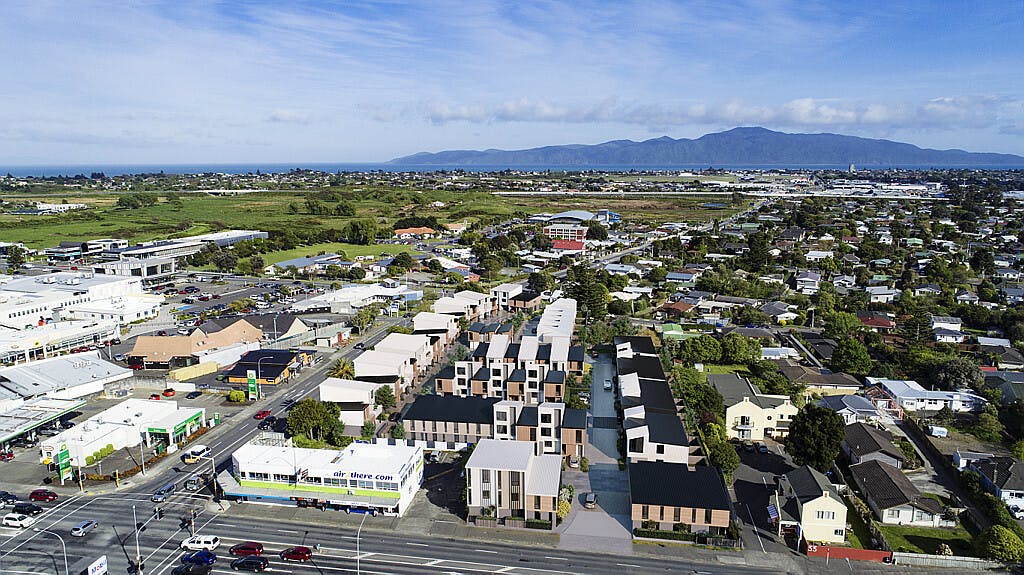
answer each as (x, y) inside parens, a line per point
(342, 369)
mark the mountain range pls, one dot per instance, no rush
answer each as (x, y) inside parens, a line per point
(747, 146)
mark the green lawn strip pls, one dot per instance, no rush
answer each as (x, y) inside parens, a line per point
(927, 539)
(859, 536)
(351, 251)
(740, 369)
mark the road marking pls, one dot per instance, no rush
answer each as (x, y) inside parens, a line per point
(629, 565)
(417, 544)
(754, 527)
(485, 551)
(287, 531)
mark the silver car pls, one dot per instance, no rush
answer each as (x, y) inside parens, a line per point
(83, 528)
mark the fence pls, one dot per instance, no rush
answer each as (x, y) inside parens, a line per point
(831, 552)
(954, 561)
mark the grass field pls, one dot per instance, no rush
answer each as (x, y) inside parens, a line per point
(195, 213)
(351, 251)
(740, 369)
(926, 540)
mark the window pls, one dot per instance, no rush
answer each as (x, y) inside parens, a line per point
(485, 475)
(661, 513)
(892, 513)
(501, 416)
(486, 495)
(536, 501)
(707, 517)
(839, 532)
(545, 418)
(545, 431)
(675, 515)
(827, 515)
(645, 512)
(661, 450)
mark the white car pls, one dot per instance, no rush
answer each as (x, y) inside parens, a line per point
(18, 520)
(200, 542)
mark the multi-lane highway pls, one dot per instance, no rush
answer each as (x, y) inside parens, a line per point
(34, 553)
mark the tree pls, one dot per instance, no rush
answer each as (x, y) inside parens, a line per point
(15, 257)
(958, 373)
(360, 231)
(739, 349)
(540, 281)
(702, 349)
(851, 357)
(724, 455)
(596, 231)
(398, 431)
(1001, 544)
(384, 397)
(364, 319)
(757, 254)
(312, 418)
(815, 434)
(224, 260)
(257, 264)
(1018, 449)
(490, 265)
(841, 324)
(369, 430)
(342, 369)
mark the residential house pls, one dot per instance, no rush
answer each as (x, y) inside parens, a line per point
(1002, 477)
(503, 294)
(967, 297)
(893, 498)
(780, 312)
(882, 294)
(819, 380)
(808, 282)
(852, 408)
(750, 414)
(356, 399)
(655, 436)
(865, 442)
(877, 321)
(806, 503)
(893, 395)
(1010, 383)
(818, 255)
(673, 493)
(550, 426)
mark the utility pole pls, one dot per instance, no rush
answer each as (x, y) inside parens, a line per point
(138, 554)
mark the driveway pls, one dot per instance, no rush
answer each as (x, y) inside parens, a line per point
(607, 528)
(753, 484)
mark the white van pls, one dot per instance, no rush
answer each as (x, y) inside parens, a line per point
(200, 542)
(196, 454)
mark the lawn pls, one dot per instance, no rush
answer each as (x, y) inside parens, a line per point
(351, 251)
(860, 535)
(738, 368)
(926, 540)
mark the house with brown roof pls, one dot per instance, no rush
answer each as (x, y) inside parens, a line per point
(420, 232)
(894, 499)
(676, 308)
(173, 351)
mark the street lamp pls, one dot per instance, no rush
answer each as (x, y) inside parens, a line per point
(213, 475)
(138, 554)
(259, 376)
(358, 533)
(62, 546)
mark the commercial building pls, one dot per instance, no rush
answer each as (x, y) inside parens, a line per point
(362, 477)
(152, 269)
(570, 232)
(270, 366)
(507, 480)
(750, 414)
(351, 298)
(672, 493)
(127, 424)
(122, 310)
(28, 416)
(32, 301)
(168, 352)
(63, 377)
(17, 345)
(355, 398)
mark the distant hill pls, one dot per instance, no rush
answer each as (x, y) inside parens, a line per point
(736, 147)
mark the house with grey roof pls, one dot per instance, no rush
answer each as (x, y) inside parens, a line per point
(865, 442)
(806, 504)
(852, 408)
(893, 498)
(750, 414)
(1002, 477)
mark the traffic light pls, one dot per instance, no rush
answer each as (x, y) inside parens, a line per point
(159, 511)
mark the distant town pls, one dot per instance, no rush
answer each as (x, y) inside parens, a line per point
(763, 371)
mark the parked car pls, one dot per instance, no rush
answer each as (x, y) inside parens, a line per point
(748, 445)
(254, 563)
(82, 529)
(120, 357)
(574, 461)
(1017, 512)
(607, 385)
(590, 500)
(761, 447)
(193, 394)
(42, 495)
(298, 553)
(246, 549)
(154, 396)
(262, 414)
(7, 498)
(169, 392)
(17, 520)
(26, 508)
(6, 455)
(201, 557)
(198, 542)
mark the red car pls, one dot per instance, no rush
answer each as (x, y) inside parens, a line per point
(297, 554)
(169, 392)
(246, 549)
(261, 414)
(42, 495)
(6, 455)
(155, 396)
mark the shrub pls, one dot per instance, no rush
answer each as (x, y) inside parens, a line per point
(584, 464)
(236, 396)
(1001, 544)
(537, 524)
(89, 460)
(563, 509)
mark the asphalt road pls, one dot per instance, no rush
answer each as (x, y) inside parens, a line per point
(28, 552)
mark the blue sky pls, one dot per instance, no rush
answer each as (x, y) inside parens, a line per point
(252, 81)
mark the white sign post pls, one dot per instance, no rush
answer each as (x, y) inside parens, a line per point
(99, 566)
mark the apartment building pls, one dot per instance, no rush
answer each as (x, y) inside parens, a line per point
(550, 426)
(672, 493)
(506, 479)
(450, 419)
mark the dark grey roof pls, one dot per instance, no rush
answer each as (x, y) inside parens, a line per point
(665, 428)
(645, 367)
(675, 485)
(265, 357)
(455, 409)
(576, 353)
(639, 344)
(544, 351)
(447, 372)
(574, 418)
(512, 351)
(528, 416)
(481, 350)
(266, 370)
(731, 387)
(809, 484)
(862, 439)
(517, 375)
(265, 323)
(889, 487)
(555, 376)
(1003, 472)
(482, 374)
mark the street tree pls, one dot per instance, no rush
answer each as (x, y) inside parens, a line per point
(851, 356)
(815, 434)
(342, 369)
(384, 397)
